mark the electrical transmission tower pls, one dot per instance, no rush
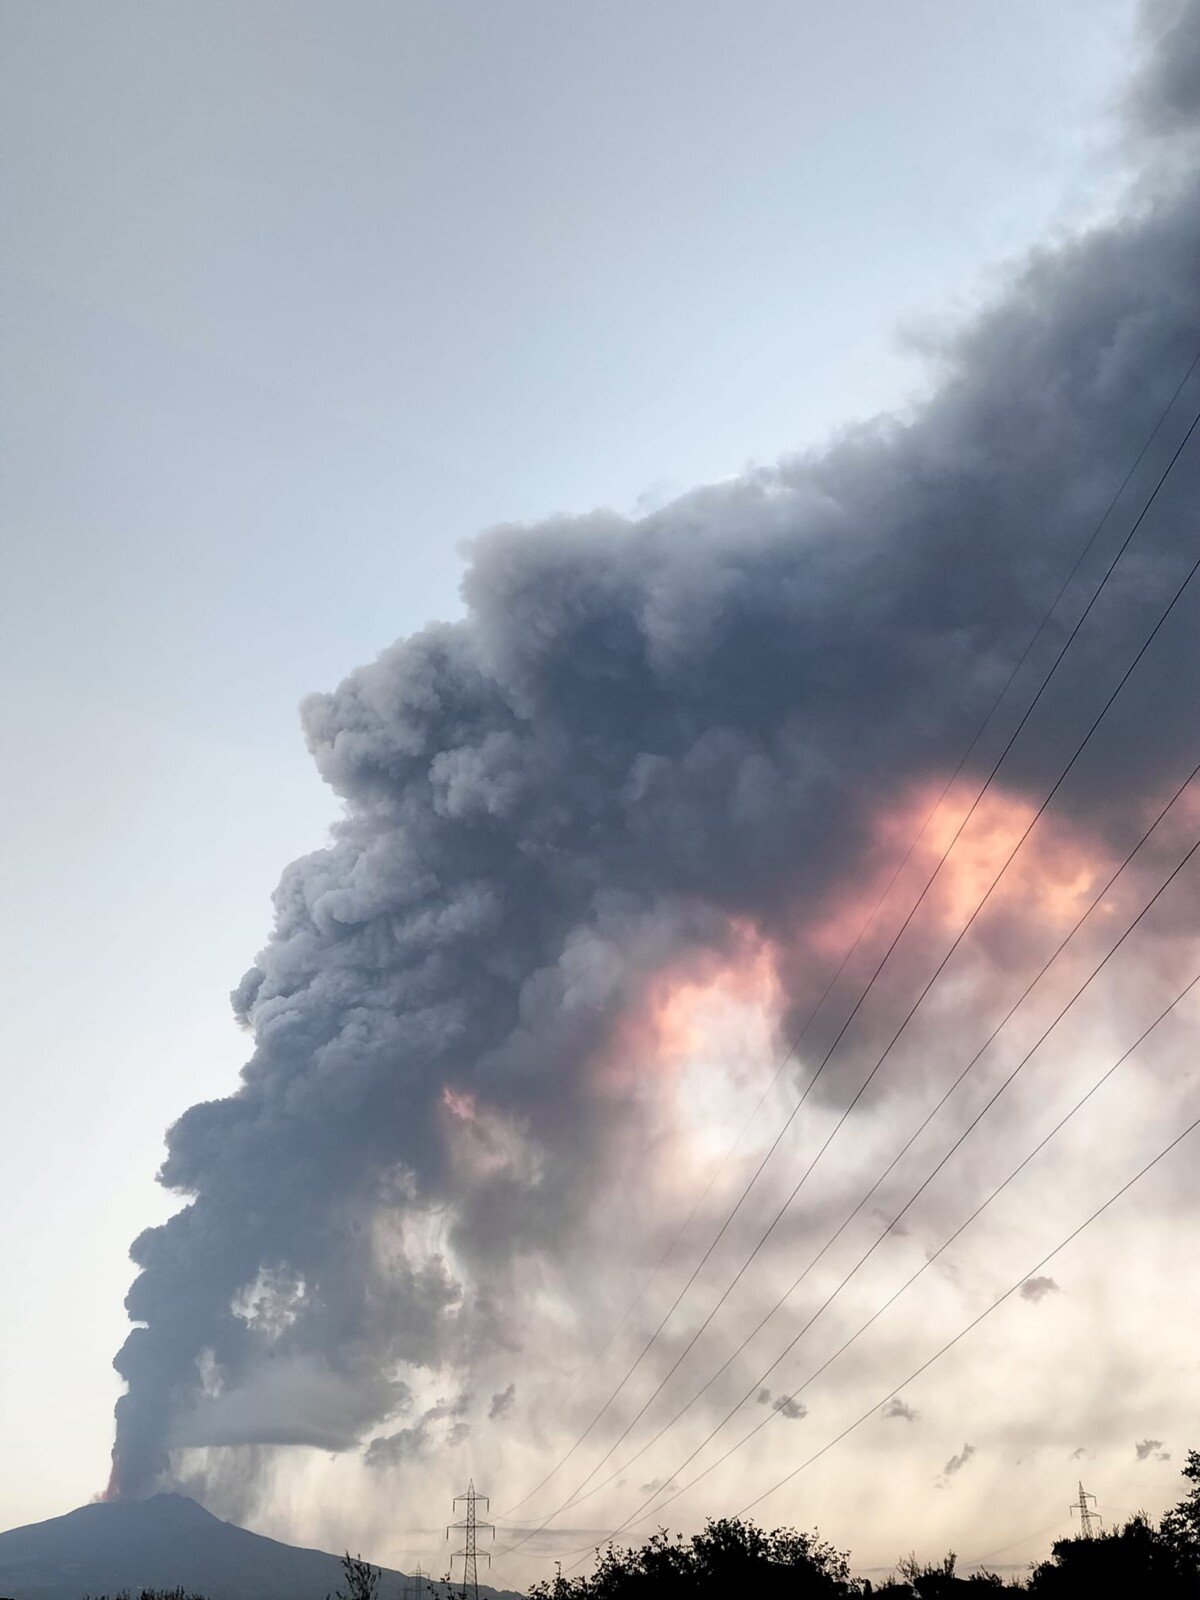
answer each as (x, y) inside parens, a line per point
(469, 1528)
(416, 1585)
(1091, 1522)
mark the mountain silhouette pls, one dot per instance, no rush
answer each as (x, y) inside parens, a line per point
(167, 1542)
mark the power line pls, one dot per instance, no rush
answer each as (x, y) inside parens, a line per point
(869, 921)
(955, 1235)
(925, 1265)
(730, 1152)
(779, 1071)
(979, 1562)
(975, 1321)
(1096, 900)
(1127, 674)
(895, 940)
(962, 1332)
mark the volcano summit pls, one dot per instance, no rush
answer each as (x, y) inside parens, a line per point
(166, 1542)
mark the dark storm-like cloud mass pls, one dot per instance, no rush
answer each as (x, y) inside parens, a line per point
(1164, 98)
(641, 731)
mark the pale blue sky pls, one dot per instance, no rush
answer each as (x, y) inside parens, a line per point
(297, 298)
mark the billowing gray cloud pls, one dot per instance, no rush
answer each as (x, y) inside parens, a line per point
(786, 1405)
(292, 1400)
(1164, 98)
(642, 736)
(502, 1403)
(1038, 1288)
(407, 1444)
(1148, 1448)
(896, 1408)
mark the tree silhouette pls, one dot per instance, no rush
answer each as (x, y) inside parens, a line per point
(361, 1579)
(932, 1580)
(729, 1556)
(1181, 1526)
(1135, 1559)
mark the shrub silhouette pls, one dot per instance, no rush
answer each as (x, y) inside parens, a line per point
(1135, 1559)
(1181, 1526)
(360, 1579)
(728, 1557)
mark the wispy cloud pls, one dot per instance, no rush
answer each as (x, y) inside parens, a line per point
(897, 1408)
(502, 1403)
(958, 1462)
(786, 1405)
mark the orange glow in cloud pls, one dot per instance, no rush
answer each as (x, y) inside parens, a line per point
(701, 1036)
(460, 1103)
(702, 1011)
(1048, 881)
(483, 1142)
(694, 1053)
(1050, 875)
(680, 1006)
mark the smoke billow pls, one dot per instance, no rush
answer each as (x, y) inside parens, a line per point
(646, 743)
(958, 1462)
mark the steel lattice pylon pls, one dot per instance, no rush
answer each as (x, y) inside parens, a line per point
(1090, 1522)
(469, 1528)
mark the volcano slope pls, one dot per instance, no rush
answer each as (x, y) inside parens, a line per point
(168, 1542)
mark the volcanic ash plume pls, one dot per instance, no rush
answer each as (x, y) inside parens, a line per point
(652, 753)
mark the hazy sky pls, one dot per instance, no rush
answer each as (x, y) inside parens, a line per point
(296, 300)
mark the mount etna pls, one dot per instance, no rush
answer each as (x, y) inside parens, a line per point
(168, 1542)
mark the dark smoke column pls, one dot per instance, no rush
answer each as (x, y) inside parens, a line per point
(640, 731)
